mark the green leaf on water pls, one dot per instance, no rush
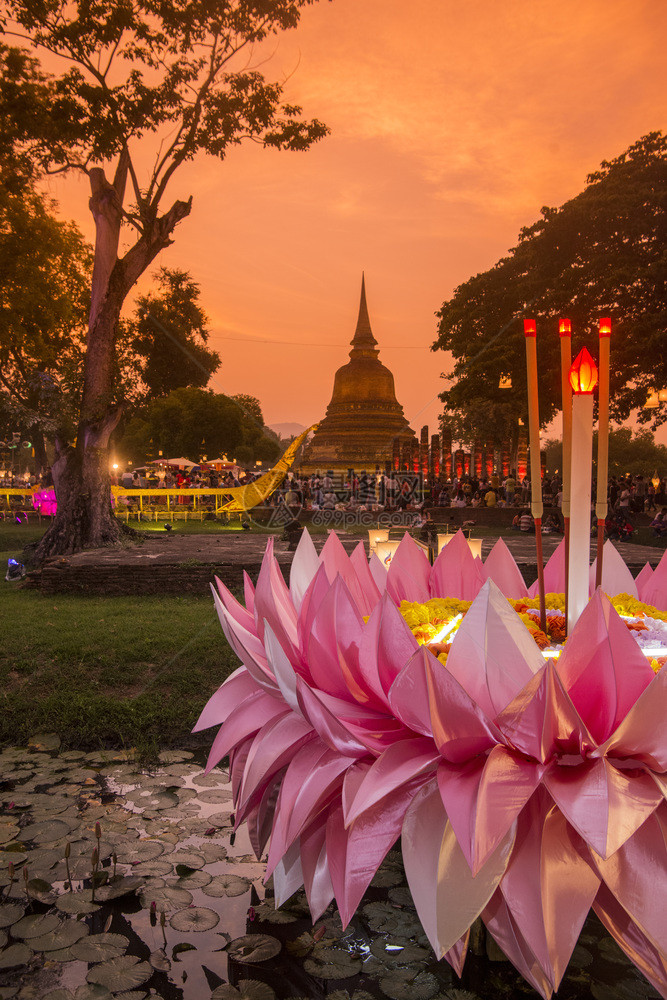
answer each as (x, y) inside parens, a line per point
(120, 974)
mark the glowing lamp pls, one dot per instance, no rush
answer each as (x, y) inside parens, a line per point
(376, 535)
(605, 327)
(564, 327)
(474, 544)
(529, 328)
(505, 382)
(583, 374)
(385, 551)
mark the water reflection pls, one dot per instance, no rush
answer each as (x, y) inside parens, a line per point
(172, 828)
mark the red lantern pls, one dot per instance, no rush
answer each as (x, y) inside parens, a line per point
(529, 328)
(564, 328)
(605, 327)
(583, 374)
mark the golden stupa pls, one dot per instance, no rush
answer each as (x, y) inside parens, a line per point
(364, 418)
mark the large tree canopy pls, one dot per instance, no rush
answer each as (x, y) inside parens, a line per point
(169, 335)
(195, 423)
(44, 300)
(603, 253)
(170, 80)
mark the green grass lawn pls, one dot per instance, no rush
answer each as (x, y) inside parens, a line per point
(117, 671)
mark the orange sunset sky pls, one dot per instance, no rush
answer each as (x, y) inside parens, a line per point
(452, 122)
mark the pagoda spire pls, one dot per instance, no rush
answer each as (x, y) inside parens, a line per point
(363, 341)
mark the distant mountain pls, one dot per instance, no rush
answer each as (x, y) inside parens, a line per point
(286, 431)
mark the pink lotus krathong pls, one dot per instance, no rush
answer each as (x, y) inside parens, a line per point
(525, 791)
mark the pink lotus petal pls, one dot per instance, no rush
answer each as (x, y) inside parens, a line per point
(281, 668)
(398, 765)
(334, 558)
(248, 718)
(630, 938)
(654, 591)
(408, 575)
(616, 577)
(505, 931)
(378, 572)
(247, 646)
(305, 565)
(636, 878)
(604, 804)
(493, 655)
(231, 693)
(310, 780)
(643, 578)
(234, 608)
(542, 720)
(432, 702)
(356, 853)
(455, 573)
(249, 594)
(287, 875)
(458, 785)
(368, 593)
(602, 668)
(333, 645)
(641, 734)
(507, 784)
(386, 645)
(273, 603)
(259, 820)
(447, 898)
(271, 750)
(456, 955)
(554, 573)
(334, 733)
(501, 567)
(315, 866)
(568, 887)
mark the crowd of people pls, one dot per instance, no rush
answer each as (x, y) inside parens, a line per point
(402, 491)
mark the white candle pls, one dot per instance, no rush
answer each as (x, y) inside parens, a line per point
(583, 378)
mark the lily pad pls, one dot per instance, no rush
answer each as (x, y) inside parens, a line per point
(15, 955)
(404, 985)
(193, 880)
(76, 903)
(191, 859)
(194, 918)
(143, 850)
(248, 989)
(44, 741)
(89, 991)
(210, 780)
(254, 948)
(100, 947)
(212, 852)
(267, 911)
(166, 898)
(226, 885)
(46, 832)
(332, 963)
(215, 795)
(120, 974)
(153, 868)
(10, 913)
(64, 937)
(174, 756)
(8, 830)
(35, 925)
(159, 960)
(119, 886)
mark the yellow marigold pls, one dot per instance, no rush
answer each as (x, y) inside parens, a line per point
(414, 613)
(443, 609)
(627, 605)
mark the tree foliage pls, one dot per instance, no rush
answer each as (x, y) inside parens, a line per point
(171, 80)
(44, 300)
(168, 334)
(601, 254)
(194, 422)
(630, 453)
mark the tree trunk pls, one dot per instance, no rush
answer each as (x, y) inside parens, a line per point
(84, 518)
